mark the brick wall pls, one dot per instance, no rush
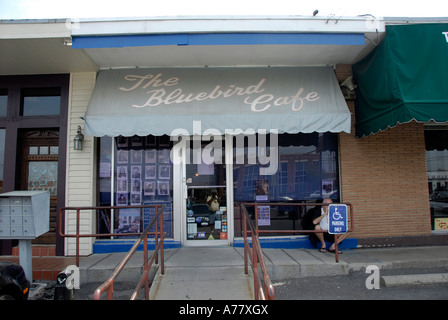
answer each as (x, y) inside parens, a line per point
(384, 177)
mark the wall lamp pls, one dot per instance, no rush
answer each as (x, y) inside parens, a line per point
(77, 141)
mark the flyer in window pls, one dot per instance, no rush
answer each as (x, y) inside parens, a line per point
(262, 190)
(264, 215)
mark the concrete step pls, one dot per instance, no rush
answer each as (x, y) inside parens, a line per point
(202, 283)
(203, 273)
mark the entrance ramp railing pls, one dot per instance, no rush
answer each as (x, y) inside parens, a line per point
(108, 285)
(267, 291)
(256, 255)
(159, 235)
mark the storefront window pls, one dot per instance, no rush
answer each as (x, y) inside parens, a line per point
(306, 172)
(140, 174)
(41, 102)
(437, 170)
(3, 113)
(2, 156)
(105, 171)
(3, 102)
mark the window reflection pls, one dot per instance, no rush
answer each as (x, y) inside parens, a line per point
(307, 169)
(41, 101)
(307, 172)
(437, 171)
(2, 156)
(3, 102)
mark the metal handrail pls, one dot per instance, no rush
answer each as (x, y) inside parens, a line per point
(351, 213)
(256, 257)
(77, 235)
(109, 283)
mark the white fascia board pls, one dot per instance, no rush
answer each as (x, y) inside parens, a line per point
(284, 24)
(35, 29)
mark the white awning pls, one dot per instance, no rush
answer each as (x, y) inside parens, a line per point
(175, 101)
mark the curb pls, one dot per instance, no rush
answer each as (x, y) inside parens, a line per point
(414, 279)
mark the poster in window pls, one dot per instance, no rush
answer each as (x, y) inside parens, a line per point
(164, 172)
(149, 188)
(136, 185)
(264, 215)
(136, 156)
(136, 172)
(150, 156)
(105, 169)
(122, 199)
(136, 198)
(149, 214)
(262, 190)
(163, 188)
(164, 156)
(327, 188)
(441, 224)
(122, 172)
(122, 185)
(122, 156)
(150, 172)
(129, 221)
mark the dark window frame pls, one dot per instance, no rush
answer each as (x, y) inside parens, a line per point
(14, 123)
(38, 93)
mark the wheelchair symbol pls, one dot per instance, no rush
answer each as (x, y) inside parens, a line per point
(336, 214)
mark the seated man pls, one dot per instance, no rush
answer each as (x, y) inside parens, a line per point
(321, 223)
(307, 223)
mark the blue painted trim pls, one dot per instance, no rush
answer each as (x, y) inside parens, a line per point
(202, 39)
(111, 246)
(295, 243)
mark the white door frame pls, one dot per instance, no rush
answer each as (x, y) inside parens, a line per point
(181, 193)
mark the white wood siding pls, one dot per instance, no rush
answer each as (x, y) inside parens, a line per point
(81, 168)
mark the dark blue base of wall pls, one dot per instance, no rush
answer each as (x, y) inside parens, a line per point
(295, 243)
(109, 246)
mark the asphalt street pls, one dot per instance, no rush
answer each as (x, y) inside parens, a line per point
(353, 287)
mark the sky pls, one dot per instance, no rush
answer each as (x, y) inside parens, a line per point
(43, 9)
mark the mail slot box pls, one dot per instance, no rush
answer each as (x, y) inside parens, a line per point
(24, 214)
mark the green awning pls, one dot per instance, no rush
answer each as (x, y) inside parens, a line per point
(404, 79)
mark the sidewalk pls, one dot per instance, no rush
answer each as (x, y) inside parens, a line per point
(218, 272)
(212, 272)
(290, 263)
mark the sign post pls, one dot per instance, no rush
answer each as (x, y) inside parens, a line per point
(337, 215)
(337, 223)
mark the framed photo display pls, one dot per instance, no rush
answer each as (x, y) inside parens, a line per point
(142, 171)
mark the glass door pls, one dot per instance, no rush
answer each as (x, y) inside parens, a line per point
(40, 171)
(206, 219)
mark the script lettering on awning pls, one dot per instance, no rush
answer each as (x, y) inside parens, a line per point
(255, 95)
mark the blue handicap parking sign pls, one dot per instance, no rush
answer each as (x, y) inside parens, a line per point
(337, 218)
